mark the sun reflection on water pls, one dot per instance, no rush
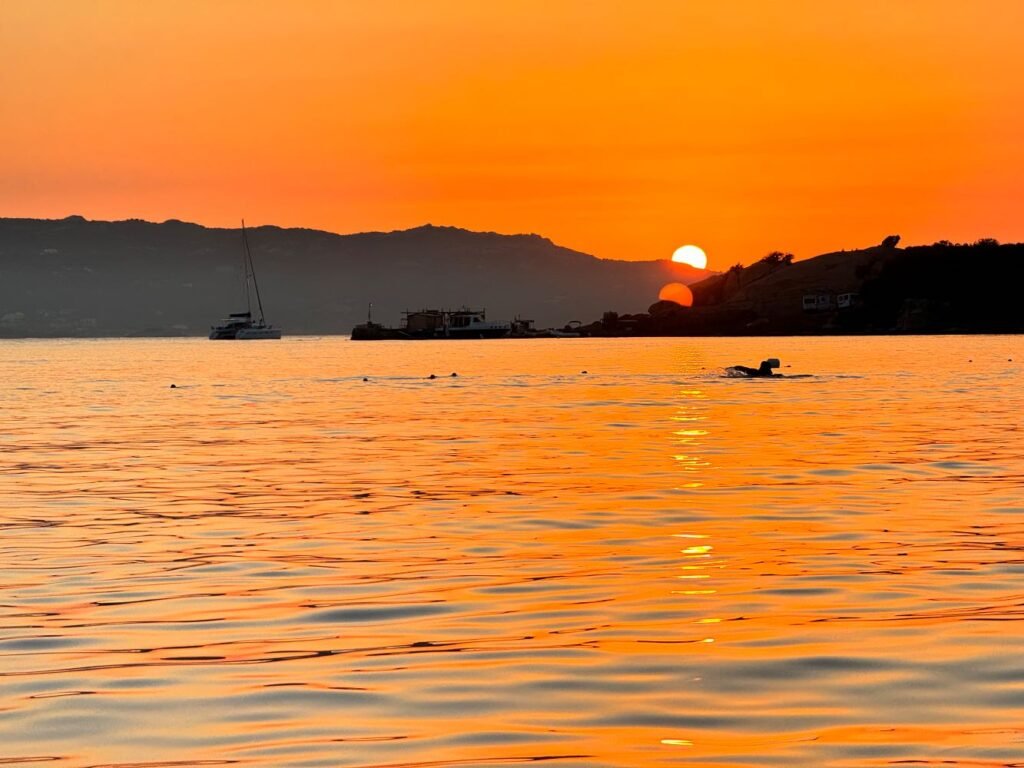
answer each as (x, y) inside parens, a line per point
(521, 565)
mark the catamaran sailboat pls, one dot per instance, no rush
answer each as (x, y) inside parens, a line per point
(240, 325)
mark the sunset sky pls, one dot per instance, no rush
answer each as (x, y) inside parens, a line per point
(623, 129)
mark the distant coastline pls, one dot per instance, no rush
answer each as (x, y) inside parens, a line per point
(74, 278)
(78, 278)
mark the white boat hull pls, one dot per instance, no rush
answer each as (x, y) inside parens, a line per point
(258, 333)
(233, 331)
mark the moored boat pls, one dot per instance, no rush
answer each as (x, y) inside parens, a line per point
(240, 326)
(464, 323)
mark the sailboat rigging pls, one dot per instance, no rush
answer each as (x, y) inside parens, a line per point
(240, 325)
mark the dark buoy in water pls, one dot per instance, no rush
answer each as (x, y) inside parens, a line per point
(454, 374)
(365, 379)
(582, 371)
(431, 376)
(174, 386)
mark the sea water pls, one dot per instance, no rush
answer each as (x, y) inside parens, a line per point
(580, 552)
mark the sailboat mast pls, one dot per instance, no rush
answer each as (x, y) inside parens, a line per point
(252, 271)
(245, 271)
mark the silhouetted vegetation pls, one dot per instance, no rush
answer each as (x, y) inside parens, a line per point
(947, 287)
(777, 258)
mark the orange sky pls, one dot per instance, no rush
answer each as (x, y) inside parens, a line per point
(621, 129)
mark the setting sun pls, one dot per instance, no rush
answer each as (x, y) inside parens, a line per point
(692, 255)
(678, 293)
(460, 383)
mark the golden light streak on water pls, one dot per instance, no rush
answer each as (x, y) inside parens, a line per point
(279, 564)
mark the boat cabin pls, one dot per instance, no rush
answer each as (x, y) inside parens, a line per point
(463, 318)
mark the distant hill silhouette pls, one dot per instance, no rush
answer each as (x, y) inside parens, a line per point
(74, 277)
(939, 288)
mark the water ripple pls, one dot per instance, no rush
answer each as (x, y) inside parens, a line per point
(279, 564)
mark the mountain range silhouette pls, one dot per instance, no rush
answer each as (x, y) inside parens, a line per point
(75, 277)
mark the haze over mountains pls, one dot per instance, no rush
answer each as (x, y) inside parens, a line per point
(74, 277)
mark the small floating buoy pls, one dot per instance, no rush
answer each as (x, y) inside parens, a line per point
(582, 371)
(454, 374)
(365, 379)
(431, 376)
(174, 386)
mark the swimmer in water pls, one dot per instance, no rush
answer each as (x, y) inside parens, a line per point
(764, 370)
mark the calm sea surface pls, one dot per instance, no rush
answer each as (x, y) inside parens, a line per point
(277, 563)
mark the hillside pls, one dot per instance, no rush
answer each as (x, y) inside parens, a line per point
(74, 277)
(939, 288)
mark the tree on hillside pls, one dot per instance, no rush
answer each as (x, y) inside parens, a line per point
(777, 257)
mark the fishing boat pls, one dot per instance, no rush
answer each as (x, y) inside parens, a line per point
(241, 325)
